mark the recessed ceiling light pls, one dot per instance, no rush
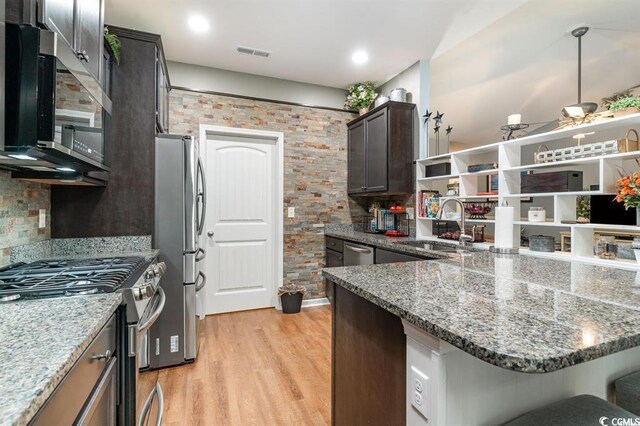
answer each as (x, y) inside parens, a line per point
(198, 24)
(360, 57)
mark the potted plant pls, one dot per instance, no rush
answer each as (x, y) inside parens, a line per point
(114, 44)
(628, 192)
(625, 106)
(360, 96)
(291, 297)
(583, 209)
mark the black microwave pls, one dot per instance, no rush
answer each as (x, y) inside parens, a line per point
(51, 114)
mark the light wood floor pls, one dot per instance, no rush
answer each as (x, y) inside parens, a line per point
(254, 368)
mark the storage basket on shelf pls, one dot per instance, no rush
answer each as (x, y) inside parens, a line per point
(562, 181)
(450, 230)
(614, 146)
(388, 223)
(478, 209)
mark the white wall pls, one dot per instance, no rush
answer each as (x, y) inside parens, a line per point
(235, 83)
(408, 79)
(415, 80)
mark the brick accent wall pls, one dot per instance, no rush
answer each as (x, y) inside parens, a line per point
(315, 167)
(19, 205)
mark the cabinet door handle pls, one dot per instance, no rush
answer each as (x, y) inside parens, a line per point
(106, 356)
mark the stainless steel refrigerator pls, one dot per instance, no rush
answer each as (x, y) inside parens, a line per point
(179, 218)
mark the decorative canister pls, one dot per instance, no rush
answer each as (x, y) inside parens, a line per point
(542, 243)
(382, 99)
(537, 214)
(399, 95)
(636, 248)
(606, 247)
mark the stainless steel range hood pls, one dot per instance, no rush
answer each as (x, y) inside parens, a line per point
(62, 178)
(52, 169)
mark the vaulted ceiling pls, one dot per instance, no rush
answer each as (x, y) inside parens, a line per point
(311, 41)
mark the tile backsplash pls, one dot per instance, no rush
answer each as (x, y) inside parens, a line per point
(20, 203)
(66, 247)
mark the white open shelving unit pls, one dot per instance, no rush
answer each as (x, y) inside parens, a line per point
(517, 156)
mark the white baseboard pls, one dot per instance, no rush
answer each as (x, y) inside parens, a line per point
(309, 303)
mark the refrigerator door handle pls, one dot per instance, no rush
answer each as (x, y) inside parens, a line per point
(202, 196)
(203, 281)
(190, 194)
(200, 254)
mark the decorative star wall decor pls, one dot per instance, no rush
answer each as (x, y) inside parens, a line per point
(427, 116)
(449, 129)
(439, 117)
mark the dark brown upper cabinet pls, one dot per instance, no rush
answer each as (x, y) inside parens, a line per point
(80, 24)
(380, 159)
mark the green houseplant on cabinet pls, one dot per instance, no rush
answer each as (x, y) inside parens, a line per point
(114, 44)
(361, 96)
(291, 297)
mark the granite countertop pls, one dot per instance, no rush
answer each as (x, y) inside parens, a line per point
(41, 341)
(522, 313)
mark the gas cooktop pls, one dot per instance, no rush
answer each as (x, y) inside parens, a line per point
(60, 277)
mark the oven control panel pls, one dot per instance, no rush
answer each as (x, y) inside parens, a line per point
(151, 279)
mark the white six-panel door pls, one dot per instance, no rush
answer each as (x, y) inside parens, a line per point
(241, 223)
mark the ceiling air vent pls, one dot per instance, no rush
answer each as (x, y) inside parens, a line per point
(252, 51)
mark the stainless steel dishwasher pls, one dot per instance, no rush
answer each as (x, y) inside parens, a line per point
(356, 254)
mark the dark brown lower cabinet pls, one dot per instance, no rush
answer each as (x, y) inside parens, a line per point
(332, 259)
(368, 363)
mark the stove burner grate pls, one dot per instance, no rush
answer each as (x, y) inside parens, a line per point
(59, 277)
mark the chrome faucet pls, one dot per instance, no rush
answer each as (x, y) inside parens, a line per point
(464, 238)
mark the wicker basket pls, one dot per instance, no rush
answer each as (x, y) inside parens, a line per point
(589, 150)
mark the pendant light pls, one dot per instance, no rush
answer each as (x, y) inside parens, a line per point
(580, 109)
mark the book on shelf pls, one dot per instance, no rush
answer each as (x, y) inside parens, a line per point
(428, 203)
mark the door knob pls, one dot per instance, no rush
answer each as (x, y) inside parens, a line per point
(210, 233)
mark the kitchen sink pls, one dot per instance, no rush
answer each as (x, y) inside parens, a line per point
(433, 246)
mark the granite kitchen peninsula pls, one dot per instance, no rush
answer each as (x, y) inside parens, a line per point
(477, 339)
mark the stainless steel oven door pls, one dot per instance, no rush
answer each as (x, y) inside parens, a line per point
(149, 317)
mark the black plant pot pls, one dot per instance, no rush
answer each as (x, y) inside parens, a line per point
(291, 302)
